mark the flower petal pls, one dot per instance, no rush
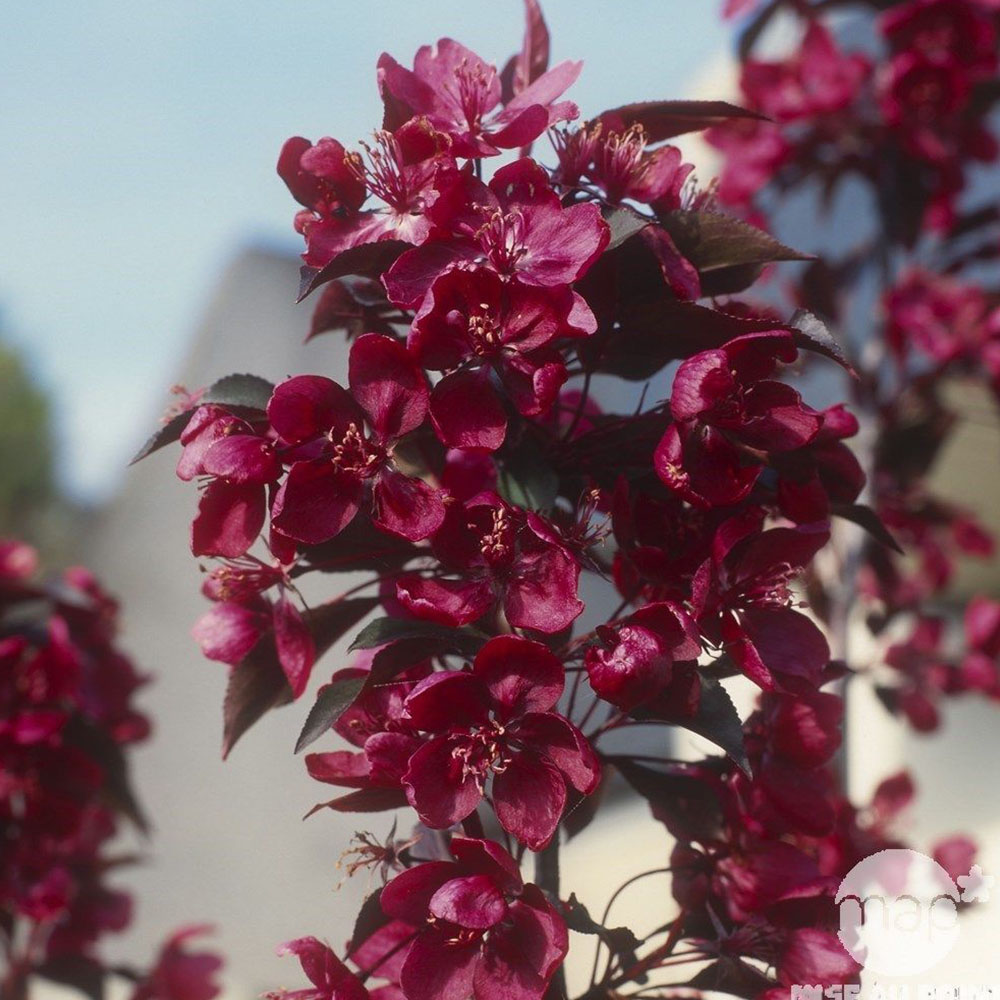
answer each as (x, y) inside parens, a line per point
(406, 506)
(388, 385)
(448, 602)
(437, 787)
(529, 796)
(467, 412)
(472, 901)
(436, 969)
(315, 502)
(520, 674)
(230, 518)
(307, 406)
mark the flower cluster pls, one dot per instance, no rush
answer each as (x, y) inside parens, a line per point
(67, 721)
(907, 120)
(469, 474)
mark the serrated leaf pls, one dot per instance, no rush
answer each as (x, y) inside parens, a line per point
(101, 747)
(241, 391)
(256, 685)
(385, 630)
(728, 252)
(810, 333)
(661, 120)
(77, 971)
(624, 223)
(369, 260)
(374, 799)
(718, 722)
(329, 622)
(167, 434)
(331, 702)
(863, 516)
(733, 976)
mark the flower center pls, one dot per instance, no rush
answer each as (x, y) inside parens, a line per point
(502, 237)
(481, 752)
(769, 588)
(497, 543)
(355, 454)
(383, 173)
(472, 88)
(483, 332)
(620, 160)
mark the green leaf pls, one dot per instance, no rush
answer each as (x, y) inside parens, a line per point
(246, 392)
(385, 630)
(624, 223)
(526, 479)
(332, 701)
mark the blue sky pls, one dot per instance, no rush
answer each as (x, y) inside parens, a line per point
(140, 141)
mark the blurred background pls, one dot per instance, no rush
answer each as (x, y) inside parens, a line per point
(148, 242)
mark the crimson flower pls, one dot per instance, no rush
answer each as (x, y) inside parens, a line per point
(488, 334)
(458, 94)
(957, 29)
(516, 225)
(818, 80)
(401, 169)
(244, 615)
(497, 720)
(743, 602)
(481, 933)
(502, 555)
(180, 974)
(330, 978)
(240, 464)
(635, 662)
(727, 416)
(376, 723)
(336, 459)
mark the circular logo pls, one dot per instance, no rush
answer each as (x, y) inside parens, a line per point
(898, 912)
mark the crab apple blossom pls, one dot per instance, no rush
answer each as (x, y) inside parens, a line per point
(482, 331)
(505, 559)
(515, 225)
(547, 571)
(497, 721)
(341, 447)
(459, 94)
(481, 931)
(68, 722)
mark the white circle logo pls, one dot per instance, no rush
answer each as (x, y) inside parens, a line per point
(898, 912)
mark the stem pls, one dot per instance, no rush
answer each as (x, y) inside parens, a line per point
(547, 879)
